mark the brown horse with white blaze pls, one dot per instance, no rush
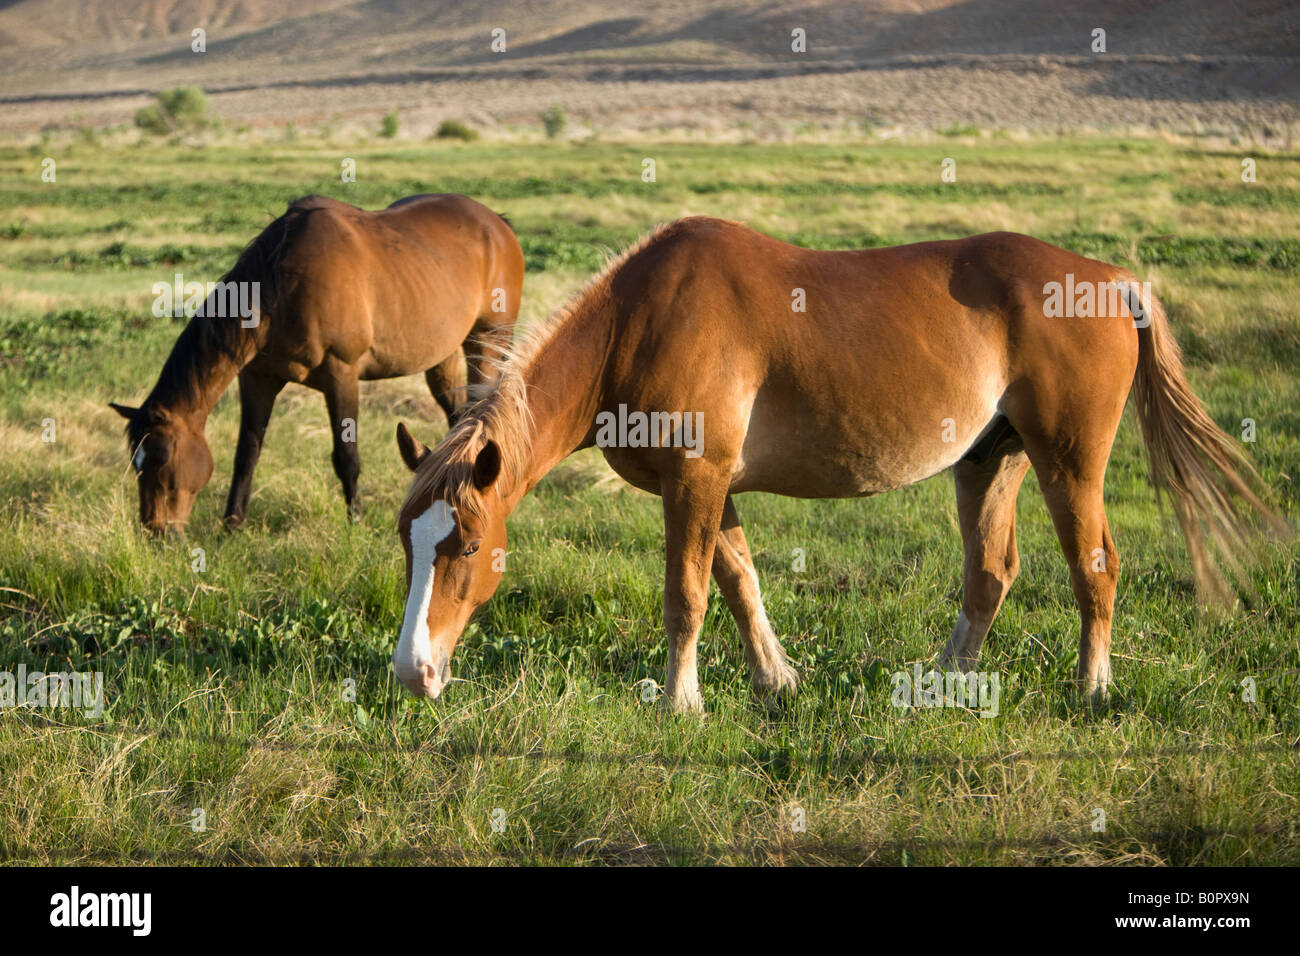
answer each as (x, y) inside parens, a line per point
(905, 362)
(431, 284)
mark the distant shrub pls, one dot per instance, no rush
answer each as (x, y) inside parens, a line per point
(455, 129)
(960, 129)
(389, 125)
(188, 105)
(554, 121)
(182, 108)
(152, 119)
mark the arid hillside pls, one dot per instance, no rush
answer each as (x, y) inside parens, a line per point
(660, 63)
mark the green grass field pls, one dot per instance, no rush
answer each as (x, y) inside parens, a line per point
(230, 690)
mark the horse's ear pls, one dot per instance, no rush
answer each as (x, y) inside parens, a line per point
(487, 466)
(412, 449)
(125, 411)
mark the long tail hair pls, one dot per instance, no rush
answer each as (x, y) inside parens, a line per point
(1216, 491)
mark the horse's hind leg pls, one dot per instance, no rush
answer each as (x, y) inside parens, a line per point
(342, 399)
(733, 569)
(986, 508)
(1074, 498)
(446, 382)
(257, 394)
(1069, 458)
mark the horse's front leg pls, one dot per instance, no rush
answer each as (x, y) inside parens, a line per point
(693, 504)
(257, 394)
(342, 399)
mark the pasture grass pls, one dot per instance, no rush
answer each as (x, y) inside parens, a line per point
(258, 690)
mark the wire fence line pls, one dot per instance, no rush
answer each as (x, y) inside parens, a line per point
(597, 850)
(769, 757)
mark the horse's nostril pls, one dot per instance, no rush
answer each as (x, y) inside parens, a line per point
(426, 682)
(432, 683)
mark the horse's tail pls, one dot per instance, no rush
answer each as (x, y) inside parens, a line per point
(1215, 489)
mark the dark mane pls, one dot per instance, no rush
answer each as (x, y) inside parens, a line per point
(207, 337)
(259, 262)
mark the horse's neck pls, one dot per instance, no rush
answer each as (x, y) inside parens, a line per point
(564, 383)
(198, 371)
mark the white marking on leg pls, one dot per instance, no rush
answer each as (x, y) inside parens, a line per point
(764, 625)
(774, 672)
(414, 651)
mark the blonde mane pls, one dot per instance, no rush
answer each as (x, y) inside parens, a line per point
(500, 413)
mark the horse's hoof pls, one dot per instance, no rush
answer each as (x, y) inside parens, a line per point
(1094, 694)
(692, 704)
(778, 684)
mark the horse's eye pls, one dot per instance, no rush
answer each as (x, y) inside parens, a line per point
(472, 549)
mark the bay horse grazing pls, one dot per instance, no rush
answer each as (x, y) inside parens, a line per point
(907, 361)
(431, 284)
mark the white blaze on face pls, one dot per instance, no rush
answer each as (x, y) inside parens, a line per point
(414, 652)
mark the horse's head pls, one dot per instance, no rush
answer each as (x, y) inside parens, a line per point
(453, 531)
(172, 464)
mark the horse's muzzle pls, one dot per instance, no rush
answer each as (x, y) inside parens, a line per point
(427, 680)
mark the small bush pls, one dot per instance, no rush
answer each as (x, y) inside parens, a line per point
(554, 122)
(182, 108)
(187, 105)
(455, 129)
(389, 125)
(152, 119)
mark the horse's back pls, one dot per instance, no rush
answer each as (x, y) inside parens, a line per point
(393, 291)
(419, 247)
(708, 280)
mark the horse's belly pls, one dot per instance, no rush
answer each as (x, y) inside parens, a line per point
(410, 349)
(845, 453)
(845, 473)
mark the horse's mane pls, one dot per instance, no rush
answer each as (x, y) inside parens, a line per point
(501, 411)
(207, 336)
